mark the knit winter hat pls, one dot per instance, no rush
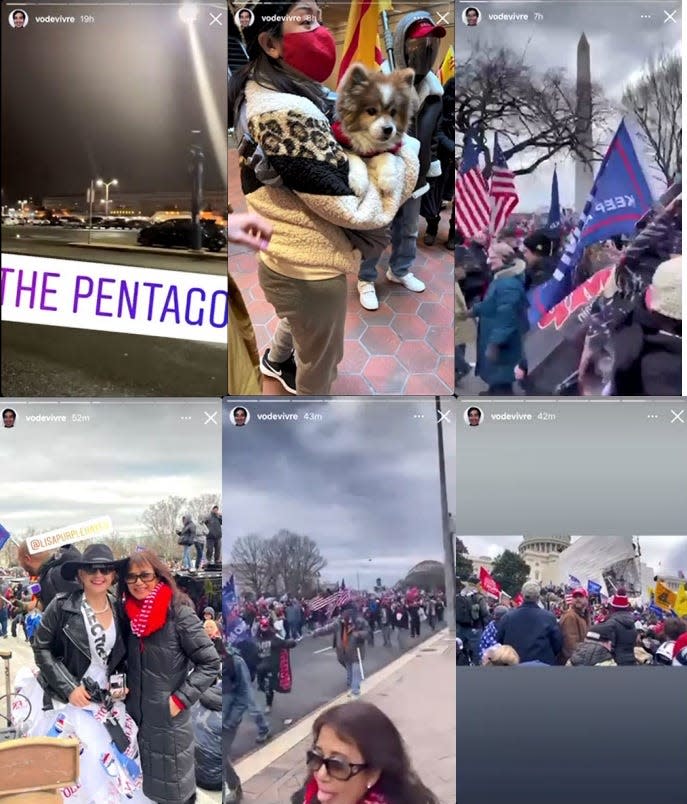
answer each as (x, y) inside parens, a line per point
(664, 295)
(539, 243)
(620, 600)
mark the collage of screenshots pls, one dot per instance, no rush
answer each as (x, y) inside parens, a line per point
(341, 346)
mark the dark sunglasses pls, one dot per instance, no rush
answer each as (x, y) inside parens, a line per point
(338, 769)
(104, 569)
(146, 577)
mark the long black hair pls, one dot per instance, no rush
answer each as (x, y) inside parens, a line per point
(263, 69)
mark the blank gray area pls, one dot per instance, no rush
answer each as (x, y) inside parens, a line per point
(601, 467)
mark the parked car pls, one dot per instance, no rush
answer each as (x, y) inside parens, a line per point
(177, 233)
(71, 222)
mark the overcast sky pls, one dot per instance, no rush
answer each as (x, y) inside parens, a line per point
(113, 98)
(621, 43)
(363, 483)
(126, 458)
(667, 553)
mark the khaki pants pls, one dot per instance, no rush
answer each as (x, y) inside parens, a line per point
(312, 318)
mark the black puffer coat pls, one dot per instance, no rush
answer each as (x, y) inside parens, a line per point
(180, 660)
(625, 637)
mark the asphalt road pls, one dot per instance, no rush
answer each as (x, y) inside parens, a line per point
(39, 361)
(317, 679)
(22, 656)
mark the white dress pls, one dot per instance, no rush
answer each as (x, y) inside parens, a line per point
(106, 776)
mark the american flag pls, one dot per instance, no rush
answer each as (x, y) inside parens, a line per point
(504, 196)
(472, 197)
(330, 602)
(574, 581)
(568, 598)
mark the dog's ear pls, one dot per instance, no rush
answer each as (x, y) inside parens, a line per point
(407, 76)
(357, 75)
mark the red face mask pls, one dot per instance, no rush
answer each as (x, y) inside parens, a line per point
(312, 53)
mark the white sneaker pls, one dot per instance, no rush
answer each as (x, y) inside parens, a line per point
(368, 295)
(410, 281)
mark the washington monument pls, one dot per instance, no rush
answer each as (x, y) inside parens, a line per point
(584, 173)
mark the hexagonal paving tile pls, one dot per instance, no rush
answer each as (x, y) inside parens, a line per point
(409, 327)
(386, 375)
(406, 303)
(426, 385)
(418, 357)
(442, 339)
(351, 385)
(435, 314)
(354, 359)
(380, 340)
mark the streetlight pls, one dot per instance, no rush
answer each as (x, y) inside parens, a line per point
(107, 185)
(188, 13)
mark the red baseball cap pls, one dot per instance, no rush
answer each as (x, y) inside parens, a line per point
(579, 592)
(423, 28)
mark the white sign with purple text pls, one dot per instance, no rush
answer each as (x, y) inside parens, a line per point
(114, 298)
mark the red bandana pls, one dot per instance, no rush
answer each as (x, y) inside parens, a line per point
(370, 796)
(342, 139)
(150, 614)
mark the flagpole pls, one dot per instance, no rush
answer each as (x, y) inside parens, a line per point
(448, 537)
(388, 40)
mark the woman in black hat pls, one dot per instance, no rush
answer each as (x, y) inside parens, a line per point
(296, 175)
(81, 658)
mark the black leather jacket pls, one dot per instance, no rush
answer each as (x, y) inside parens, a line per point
(61, 648)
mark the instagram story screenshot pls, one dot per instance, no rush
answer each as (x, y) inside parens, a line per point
(108, 504)
(577, 576)
(341, 136)
(114, 202)
(337, 599)
(569, 198)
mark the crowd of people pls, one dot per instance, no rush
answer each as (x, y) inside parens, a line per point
(124, 663)
(258, 662)
(586, 632)
(495, 275)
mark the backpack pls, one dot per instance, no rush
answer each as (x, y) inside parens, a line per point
(468, 609)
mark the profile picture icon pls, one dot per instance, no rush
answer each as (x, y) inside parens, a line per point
(18, 18)
(473, 417)
(244, 18)
(471, 16)
(239, 417)
(9, 417)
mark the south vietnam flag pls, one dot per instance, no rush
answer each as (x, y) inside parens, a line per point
(448, 66)
(361, 42)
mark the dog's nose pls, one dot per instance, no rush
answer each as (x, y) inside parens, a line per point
(388, 131)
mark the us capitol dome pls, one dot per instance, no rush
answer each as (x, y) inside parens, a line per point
(541, 553)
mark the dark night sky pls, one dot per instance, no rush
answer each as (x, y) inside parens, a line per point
(114, 98)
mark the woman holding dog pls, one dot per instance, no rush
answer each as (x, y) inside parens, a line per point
(296, 175)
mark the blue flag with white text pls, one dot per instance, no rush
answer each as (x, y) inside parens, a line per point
(593, 588)
(620, 196)
(235, 628)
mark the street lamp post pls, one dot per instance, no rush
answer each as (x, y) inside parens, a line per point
(197, 159)
(107, 185)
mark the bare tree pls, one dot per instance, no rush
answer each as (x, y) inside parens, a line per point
(161, 522)
(249, 562)
(533, 112)
(655, 100)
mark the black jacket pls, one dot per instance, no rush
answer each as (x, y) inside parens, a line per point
(625, 637)
(214, 526)
(61, 648)
(648, 355)
(540, 272)
(50, 576)
(180, 660)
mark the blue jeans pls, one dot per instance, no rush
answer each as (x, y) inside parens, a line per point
(249, 703)
(471, 638)
(353, 677)
(186, 558)
(3, 622)
(403, 243)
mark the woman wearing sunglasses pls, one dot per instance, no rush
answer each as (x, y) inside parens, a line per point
(358, 757)
(172, 661)
(80, 653)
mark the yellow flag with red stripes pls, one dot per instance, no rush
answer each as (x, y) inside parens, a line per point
(448, 66)
(362, 42)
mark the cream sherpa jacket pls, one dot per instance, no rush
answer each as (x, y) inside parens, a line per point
(323, 189)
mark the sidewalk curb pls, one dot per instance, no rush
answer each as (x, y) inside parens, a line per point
(256, 762)
(222, 255)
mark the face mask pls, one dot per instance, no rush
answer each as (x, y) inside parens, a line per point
(421, 54)
(312, 53)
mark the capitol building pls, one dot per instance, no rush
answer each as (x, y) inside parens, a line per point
(540, 552)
